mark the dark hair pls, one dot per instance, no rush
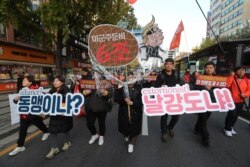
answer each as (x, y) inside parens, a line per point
(85, 69)
(169, 60)
(63, 87)
(60, 78)
(239, 67)
(31, 79)
(209, 63)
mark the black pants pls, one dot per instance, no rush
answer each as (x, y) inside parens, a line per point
(54, 139)
(91, 117)
(24, 125)
(232, 116)
(164, 120)
(201, 125)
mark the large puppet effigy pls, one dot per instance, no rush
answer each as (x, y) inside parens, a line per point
(116, 54)
(152, 39)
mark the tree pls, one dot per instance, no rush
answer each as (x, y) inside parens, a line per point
(206, 42)
(19, 13)
(64, 17)
(54, 21)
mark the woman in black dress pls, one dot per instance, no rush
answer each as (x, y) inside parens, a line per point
(130, 113)
(59, 123)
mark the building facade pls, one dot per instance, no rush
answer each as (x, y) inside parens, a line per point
(227, 16)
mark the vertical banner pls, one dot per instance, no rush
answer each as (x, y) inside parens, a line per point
(14, 116)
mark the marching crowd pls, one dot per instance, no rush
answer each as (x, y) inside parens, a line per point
(130, 108)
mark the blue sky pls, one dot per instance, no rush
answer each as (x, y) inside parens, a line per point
(169, 13)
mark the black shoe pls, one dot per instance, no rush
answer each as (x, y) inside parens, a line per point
(164, 137)
(206, 143)
(171, 132)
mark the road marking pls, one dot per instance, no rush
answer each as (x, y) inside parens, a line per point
(28, 138)
(244, 120)
(144, 125)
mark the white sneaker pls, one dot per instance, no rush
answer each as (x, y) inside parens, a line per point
(233, 132)
(52, 153)
(101, 140)
(228, 133)
(130, 148)
(16, 151)
(66, 146)
(126, 139)
(45, 136)
(93, 138)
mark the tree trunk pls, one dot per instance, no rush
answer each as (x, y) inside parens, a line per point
(58, 53)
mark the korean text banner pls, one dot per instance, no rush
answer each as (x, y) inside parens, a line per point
(36, 102)
(112, 46)
(207, 80)
(180, 99)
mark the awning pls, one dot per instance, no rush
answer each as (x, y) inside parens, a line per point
(25, 63)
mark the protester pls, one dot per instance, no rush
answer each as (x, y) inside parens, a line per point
(201, 124)
(59, 123)
(75, 82)
(239, 86)
(86, 74)
(167, 77)
(27, 120)
(151, 81)
(192, 82)
(96, 107)
(130, 113)
(187, 76)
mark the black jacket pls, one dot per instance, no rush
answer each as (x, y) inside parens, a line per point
(95, 102)
(133, 128)
(58, 123)
(169, 80)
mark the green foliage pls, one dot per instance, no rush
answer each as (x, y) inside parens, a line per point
(206, 42)
(53, 22)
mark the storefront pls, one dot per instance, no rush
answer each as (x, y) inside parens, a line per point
(15, 60)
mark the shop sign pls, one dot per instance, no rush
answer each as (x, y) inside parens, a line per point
(8, 86)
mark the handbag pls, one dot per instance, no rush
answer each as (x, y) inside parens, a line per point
(109, 105)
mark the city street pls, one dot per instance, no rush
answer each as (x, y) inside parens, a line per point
(193, 56)
(184, 149)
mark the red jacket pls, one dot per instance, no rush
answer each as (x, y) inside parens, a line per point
(25, 116)
(186, 78)
(244, 85)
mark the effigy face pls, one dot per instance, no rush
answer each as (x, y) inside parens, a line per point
(155, 36)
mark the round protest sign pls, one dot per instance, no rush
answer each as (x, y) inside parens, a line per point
(111, 46)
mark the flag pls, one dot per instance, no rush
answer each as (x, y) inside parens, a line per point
(177, 37)
(132, 1)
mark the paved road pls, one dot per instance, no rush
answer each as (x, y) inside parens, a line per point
(183, 150)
